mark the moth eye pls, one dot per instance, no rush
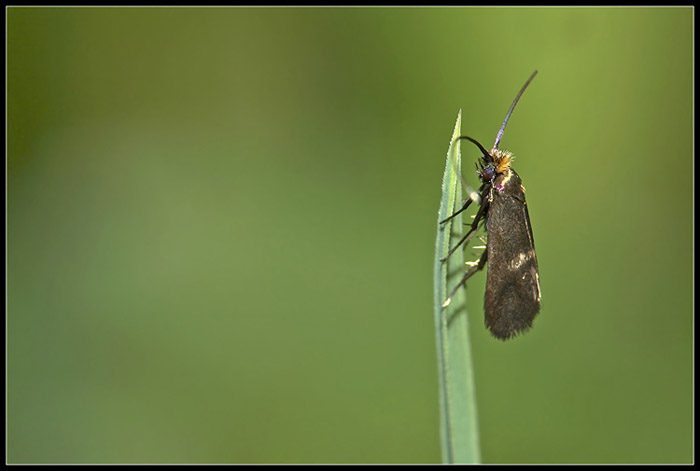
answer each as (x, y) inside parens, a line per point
(487, 174)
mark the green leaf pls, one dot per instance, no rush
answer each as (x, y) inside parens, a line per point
(459, 431)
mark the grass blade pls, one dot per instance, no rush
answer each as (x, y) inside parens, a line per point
(459, 433)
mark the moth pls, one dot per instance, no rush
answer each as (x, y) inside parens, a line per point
(512, 298)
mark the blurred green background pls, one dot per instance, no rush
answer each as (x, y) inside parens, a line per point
(221, 227)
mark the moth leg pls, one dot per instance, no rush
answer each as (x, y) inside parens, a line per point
(473, 269)
(473, 196)
(468, 236)
(466, 205)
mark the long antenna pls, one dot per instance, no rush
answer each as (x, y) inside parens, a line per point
(505, 121)
(487, 156)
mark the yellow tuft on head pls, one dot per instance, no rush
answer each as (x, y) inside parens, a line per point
(502, 158)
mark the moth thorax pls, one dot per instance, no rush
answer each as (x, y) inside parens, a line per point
(502, 159)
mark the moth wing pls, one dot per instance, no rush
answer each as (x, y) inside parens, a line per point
(512, 298)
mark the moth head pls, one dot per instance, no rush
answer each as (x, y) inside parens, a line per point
(487, 169)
